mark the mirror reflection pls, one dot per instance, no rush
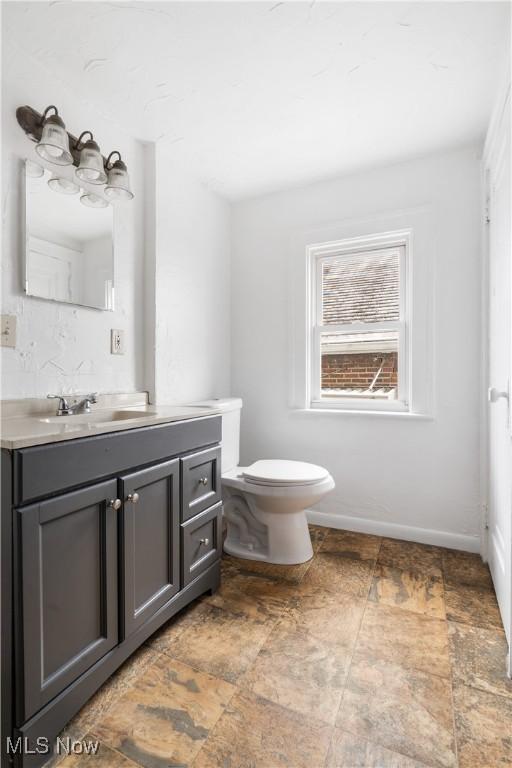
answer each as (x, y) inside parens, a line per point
(69, 245)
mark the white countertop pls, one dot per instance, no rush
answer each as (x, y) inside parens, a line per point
(22, 429)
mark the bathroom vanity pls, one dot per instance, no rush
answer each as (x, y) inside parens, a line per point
(108, 529)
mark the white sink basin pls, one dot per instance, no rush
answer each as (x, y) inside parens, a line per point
(97, 417)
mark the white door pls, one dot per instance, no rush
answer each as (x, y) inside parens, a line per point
(499, 545)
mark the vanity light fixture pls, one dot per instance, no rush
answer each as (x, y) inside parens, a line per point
(63, 185)
(91, 162)
(54, 142)
(118, 184)
(92, 200)
(55, 145)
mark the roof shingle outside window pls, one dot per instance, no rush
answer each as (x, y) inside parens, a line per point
(361, 288)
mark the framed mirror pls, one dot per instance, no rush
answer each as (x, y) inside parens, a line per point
(69, 247)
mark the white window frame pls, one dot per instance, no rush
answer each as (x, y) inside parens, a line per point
(317, 256)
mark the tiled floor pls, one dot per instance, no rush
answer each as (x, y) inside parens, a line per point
(376, 654)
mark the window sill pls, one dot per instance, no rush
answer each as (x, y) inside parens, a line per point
(407, 415)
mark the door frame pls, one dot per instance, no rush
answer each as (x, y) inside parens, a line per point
(491, 154)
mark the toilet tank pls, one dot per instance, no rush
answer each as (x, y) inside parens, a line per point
(230, 408)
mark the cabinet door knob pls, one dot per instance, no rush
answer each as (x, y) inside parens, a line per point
(204, 541)
(133, 497)
(115, 503)
(203, 480)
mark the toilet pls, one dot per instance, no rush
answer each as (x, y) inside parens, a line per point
(265, 503)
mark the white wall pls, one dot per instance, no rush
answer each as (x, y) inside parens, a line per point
(63, 348)
(172, 261)
(394, 475)
(192, 286)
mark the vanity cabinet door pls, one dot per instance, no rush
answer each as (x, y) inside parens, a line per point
(67, 596)
(150, 542)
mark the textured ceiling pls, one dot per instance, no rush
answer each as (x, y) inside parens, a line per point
(261, 96)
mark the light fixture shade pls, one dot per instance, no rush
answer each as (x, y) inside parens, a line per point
(54, 143)
(62, 185)
(118, 184)
(92, 200)
(91, 164)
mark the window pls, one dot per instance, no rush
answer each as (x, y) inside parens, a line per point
(359, 335)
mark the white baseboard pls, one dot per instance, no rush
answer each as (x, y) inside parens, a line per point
(395, 531)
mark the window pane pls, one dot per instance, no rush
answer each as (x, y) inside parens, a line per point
(361, 287)
(360, 365)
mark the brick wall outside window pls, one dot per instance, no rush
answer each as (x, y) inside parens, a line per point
(356, 371)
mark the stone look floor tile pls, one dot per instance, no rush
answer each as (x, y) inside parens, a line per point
(360, 546)
(465, 568)
(482, 727)
(219, 642)
(329, 617)
(336, 573)
(299, 672)
(202, 691)
(255, 596)
(406, 638)
(164, 637)
(480, 658)
(409, 556)
(472, 605)
(256, 733)
(115, 686)
(105, 757)
(165, 718)
(289, 573)
(403, 710)
(408, 590)
(348, 751)
(105, 698)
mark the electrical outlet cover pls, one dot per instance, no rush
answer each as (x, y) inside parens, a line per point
(8, 333)
(117, 342)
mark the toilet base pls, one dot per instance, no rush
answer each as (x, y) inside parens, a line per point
(282, 539)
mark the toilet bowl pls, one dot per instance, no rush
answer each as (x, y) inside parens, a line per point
(265, 504)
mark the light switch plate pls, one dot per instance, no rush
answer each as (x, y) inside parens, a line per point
(8, 334)
(117, 342)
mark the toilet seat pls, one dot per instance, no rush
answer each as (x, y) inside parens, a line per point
(278, 473)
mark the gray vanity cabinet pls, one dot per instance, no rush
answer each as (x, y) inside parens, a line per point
(68, 568)
(150, 541)
(104, 538)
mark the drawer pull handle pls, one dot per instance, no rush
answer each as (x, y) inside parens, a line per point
(203, 480)
(133, 497)
(115, 503)
(204, 541)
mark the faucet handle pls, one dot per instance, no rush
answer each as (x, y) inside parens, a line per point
(63, 401)
(63, 407)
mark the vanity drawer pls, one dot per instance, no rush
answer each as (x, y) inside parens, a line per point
(201, 543)
(200, 482)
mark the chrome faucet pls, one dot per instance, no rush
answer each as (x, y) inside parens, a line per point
(83, 406)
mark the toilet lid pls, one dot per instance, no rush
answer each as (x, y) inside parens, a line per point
(279, 472)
